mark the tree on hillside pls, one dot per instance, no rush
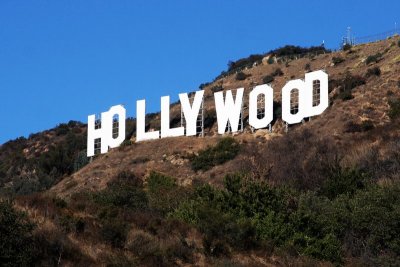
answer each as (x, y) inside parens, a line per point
(16, 242)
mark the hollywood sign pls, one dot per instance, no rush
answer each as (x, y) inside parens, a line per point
(228, 109)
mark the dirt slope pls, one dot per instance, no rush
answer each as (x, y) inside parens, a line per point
(170, 156)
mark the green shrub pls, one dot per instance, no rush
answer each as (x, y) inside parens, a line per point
(74, 124)
(290, 50)
(352, 81)
(116, 259)
(244, 62)
(157, 181)
(240, 76)
(365, 126)
(246, 215)
(16, 242)
(125, 191)
(346, 84)
(143, 244)
(363, 221)
(345, 95)
(343, 181)
(314, 231)
(277, 72)
(203, 85)
(221, 229)
(348, 215)
(373, 58)
(60, 159)
(216, 227)
(62, 129)
(59, 202)
(66, 222)
(226, 149)
(352, 127)
(81, 160)
(163, 193)
(327, 247)
(371, 214)
(139, 160)
(70, 223)
(398, 43)
(346, 47)
(394, 110)
(218, 87)
(268, 79)
(375, 71)
(114, 232)
(52, 248)
(337, 60)
(80, 225)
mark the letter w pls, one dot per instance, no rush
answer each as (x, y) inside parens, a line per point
(229, 110)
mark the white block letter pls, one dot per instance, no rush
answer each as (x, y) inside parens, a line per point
(230, 110)
(191, 113)
(286, 101)
(93, 134)
(268, 93)
(322, 77)
(105, 131)
(121, 112)
(141, 134)
(165, 130)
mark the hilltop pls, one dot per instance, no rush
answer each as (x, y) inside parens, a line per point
(315, 195)
(344, 121)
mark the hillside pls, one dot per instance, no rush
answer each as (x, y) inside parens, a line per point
(325, 193)
(370, 105)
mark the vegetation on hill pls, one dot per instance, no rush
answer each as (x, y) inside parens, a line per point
(327, 195)
(226, 149)
(35, 164)
(348, 216)
(373, 58)
(16, 236)
(244, 62)
(346, 84)
(289, 51)
(394, 111)
(326, 224)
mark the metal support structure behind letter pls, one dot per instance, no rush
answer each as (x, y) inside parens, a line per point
(200, 118)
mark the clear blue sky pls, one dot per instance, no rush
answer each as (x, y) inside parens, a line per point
(64, 60)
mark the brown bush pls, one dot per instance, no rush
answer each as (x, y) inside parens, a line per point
(280, 162)
(53, 248)
(337, 60)
(142, 243)
(375, 71)
(352, 127)
(240, 76)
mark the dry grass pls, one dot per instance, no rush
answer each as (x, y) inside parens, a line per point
(169, 156)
